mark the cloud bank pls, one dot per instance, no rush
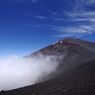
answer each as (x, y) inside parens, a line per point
(18, 72)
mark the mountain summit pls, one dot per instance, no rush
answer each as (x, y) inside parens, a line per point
(73, 52)
(64, 45)
(75, 74)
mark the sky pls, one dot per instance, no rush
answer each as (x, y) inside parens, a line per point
(29, 25)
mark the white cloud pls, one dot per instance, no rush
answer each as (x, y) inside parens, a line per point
(67, 35)
(18, 72)
(87, 27)
(82, 14)
(78, 31)
(81, 11)
(84, 19)
(39, 25)
(90, 2)
(70, 29)
(40, 17)
(80, 4)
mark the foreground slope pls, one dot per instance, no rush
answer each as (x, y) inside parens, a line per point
(75, 74)
(81, 82)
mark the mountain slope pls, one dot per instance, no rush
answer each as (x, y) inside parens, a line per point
(73, 52)
(81, 82)
(75, 74)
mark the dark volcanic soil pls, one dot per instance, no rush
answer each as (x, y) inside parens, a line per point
(78, 82)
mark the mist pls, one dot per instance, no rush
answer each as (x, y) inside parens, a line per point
(16, 72)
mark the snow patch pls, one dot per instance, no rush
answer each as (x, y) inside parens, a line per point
(55, 43)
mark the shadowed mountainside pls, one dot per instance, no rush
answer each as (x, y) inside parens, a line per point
(75, 74)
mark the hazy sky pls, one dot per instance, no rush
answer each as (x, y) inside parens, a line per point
(29, 25)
